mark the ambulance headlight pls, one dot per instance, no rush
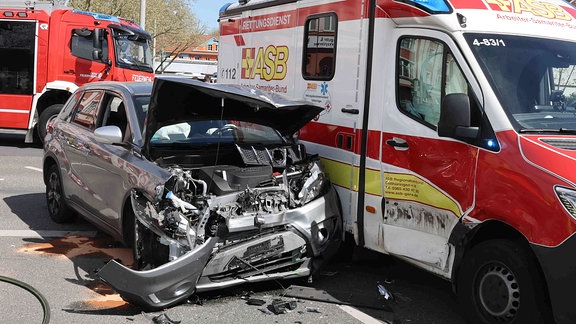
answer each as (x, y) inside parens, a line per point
(568, 199)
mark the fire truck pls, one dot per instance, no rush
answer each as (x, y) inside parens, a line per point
(448, 129)
(47, 51)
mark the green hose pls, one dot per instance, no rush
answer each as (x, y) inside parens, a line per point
(34, 292)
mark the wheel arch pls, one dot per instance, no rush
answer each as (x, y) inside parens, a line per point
(48, 162)
(464, 239)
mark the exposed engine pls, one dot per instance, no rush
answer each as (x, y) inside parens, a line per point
(197, 203)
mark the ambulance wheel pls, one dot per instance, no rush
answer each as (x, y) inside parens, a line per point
(45, 118)
(500, 282)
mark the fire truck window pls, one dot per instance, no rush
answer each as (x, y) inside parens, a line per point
(82, 44)
(87, 110)
(17, 56)
(320, 51)
(427, 71)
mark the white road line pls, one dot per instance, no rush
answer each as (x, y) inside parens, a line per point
(33, 168)
(362, 317)
(42, 233)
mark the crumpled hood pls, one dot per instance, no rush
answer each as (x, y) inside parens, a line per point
(178, 99)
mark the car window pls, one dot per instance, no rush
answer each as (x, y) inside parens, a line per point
(115, 114)
(213, 131)
(87, 110)
(69, 106)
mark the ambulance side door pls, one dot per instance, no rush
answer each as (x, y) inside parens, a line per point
(428, 181)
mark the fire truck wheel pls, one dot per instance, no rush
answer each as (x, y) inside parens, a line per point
(57, 207)
(500, 282)
(46, 117)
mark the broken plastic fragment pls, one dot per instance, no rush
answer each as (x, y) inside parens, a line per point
(163, 319)
(312, 309)
(385, 293)
(282, 306)
(255, 301)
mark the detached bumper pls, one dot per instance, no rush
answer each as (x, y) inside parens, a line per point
(162, 286)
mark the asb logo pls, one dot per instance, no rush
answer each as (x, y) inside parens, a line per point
(268, 63)
(537, 8)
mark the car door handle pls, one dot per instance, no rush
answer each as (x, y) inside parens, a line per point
(398, 143)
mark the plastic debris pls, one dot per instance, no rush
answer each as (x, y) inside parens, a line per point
(255, 301)
(163, 319)
(312, 309)
(266, 311)
(385, 293)
(280, 306)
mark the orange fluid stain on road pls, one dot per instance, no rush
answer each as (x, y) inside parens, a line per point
(73, 246)
(77, 246)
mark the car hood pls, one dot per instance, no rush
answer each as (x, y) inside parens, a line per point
(177, 99)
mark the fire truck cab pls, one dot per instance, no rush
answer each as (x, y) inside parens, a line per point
(48, 51)
(448, 129)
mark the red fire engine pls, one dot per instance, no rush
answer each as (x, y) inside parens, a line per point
(47, 51)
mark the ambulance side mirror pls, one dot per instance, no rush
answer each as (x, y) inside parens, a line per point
(455, 116)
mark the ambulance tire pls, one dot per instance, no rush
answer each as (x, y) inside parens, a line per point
(500, 282)
(45, 117)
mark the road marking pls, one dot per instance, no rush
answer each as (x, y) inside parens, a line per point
(42, 233)
(362, 317)
(33, 168)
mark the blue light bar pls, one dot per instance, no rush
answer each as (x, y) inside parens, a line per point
(431, 6)
(98, 16)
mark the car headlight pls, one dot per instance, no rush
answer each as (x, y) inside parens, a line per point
(568, 199)
(312, 187)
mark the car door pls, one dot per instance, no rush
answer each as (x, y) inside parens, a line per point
(74, 137)
(106, 164)
(428, 181)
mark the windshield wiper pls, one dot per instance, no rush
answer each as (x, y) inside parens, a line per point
(548, 130)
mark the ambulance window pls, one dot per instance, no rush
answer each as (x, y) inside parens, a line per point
(87, 110)
(426, 72)
(319, 58)
(82, 44)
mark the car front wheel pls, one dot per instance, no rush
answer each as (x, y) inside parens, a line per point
(500, 282)
(57, 207)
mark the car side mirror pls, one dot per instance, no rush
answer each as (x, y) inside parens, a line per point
(455, 117)
(108, 134)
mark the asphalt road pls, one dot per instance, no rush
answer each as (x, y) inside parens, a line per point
(60, 262)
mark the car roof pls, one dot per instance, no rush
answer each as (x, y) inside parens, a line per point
(133, 88)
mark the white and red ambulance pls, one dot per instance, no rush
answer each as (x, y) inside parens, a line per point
(449, 130)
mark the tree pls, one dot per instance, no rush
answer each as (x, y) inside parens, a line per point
(172, 24)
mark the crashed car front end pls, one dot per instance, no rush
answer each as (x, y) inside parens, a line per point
(263, 212)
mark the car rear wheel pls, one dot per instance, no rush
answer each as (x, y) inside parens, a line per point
(500, 282)
(57, 208)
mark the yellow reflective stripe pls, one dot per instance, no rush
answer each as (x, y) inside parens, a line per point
(410, 187)
(398, 186)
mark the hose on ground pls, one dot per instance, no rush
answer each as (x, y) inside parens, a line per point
(33, 291)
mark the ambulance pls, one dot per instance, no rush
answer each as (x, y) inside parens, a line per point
(448, 129)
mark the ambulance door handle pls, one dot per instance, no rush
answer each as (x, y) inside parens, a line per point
(398, 143)
(350, 111)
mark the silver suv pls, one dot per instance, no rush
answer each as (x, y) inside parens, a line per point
(204, 181)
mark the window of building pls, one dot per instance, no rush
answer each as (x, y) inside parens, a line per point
(320, 35)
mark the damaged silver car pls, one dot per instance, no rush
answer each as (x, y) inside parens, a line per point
(206, 183)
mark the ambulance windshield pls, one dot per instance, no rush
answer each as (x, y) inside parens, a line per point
(533, 78)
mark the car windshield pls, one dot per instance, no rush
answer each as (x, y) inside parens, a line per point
(133, 53)
(534, 79)
(216, 131)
